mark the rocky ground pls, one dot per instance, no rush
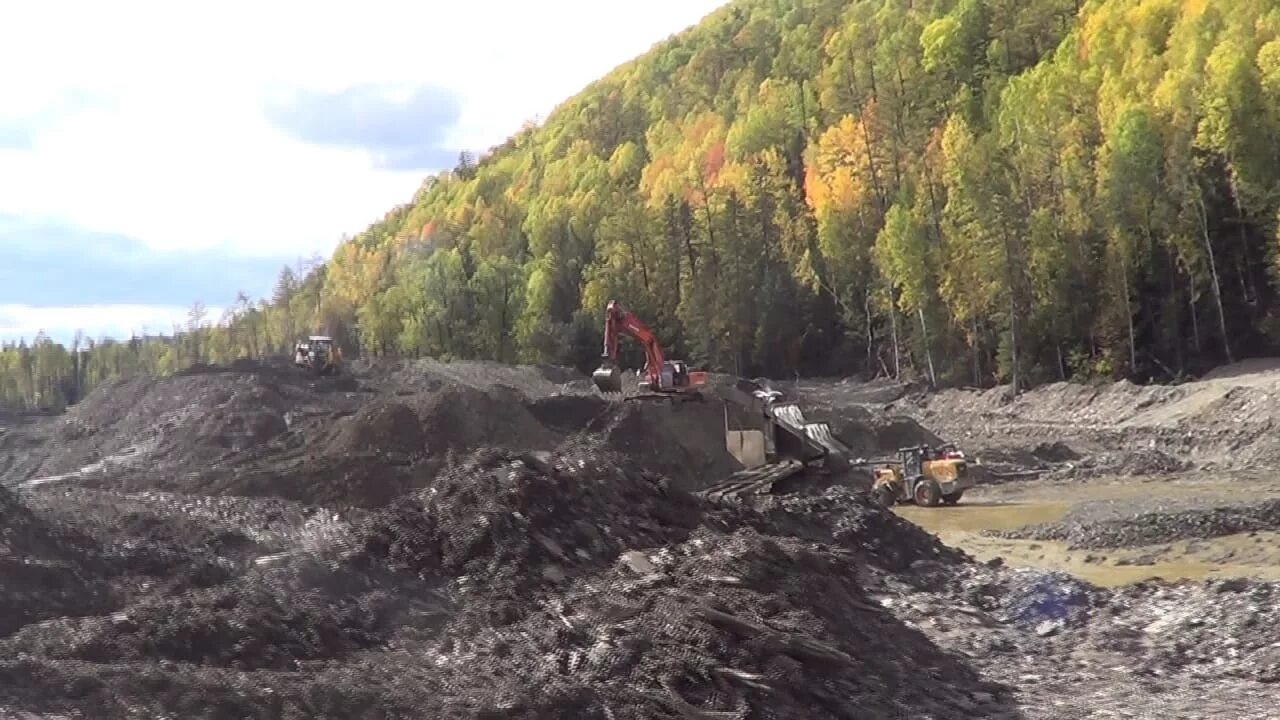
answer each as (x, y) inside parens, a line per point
(467, 540)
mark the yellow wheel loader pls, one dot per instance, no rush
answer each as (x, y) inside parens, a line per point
(318, 354)
(922, 475)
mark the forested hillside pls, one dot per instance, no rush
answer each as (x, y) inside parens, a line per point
(979, 191)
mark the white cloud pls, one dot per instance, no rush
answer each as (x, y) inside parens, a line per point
(24, 322)
(181, 154)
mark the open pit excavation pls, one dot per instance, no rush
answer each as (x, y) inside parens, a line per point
(471, 540)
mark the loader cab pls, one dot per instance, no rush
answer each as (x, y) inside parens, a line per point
(320, 346)
(913, 462)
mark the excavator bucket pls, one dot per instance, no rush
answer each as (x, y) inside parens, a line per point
(608, 378)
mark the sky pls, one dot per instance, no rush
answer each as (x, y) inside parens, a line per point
(155, 154)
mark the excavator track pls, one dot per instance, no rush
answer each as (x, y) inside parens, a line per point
(747, 483)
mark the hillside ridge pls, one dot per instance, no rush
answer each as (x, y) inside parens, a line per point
(973, 192)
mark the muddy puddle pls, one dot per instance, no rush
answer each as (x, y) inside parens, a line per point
(1254, 555)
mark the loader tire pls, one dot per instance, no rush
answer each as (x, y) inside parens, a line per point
(953, 498)
(927, 493)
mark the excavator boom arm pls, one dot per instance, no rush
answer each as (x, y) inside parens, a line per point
(619, 321)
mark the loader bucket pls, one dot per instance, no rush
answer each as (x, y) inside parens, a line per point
(608, 379)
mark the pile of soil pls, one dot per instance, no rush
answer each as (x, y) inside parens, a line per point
(462, 418)
(257, 622)
(505, 520)
(1217, 629)
(736, 623)
(1224, 420)
(360, 480)
(513, 585)
(380, 426)
(428, 375)
(1133, 462)
(587, 587)
(850, 520)
(570, 414)
(46, 570)
(683, 441)
(178, 424)
(1083, 529)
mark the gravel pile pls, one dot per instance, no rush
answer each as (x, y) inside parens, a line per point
(735, 623)
(1136, 462)
(46, 571)
(504, 520)
(510, 585)
(1218, 629)
(1150, 528)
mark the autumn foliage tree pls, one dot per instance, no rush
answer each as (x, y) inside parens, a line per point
(967, 191)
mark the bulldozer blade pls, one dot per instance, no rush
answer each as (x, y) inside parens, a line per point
(607, 379)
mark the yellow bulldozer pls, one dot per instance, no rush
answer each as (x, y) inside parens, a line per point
(922, 475)
(318, 354)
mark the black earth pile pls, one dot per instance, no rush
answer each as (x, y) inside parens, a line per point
(268, 430)
(1086, 531)
(461, 418)
(1217, 629)
(380, 427)
(360, 480)
(265, 620)
(734, 623)
(589, 589)
(849, 520)
(46, 571)
(1136, 462)
(500, 520)
(164, 432)
(512, 585)
(174, 542)
(685, 442)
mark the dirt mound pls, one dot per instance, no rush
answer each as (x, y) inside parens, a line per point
(1223, 420)
(462, 418)
(385, 426)
(363, 480)
(734, 623)
(868, 433)
(1135, 462)
(1055, 452)
(1214, 630)
(569, 414)
(656, 604)
(167, 423)
(1081, 529)
(518, 585)
(255, 623)
(428, 375)
(850, 520)
(896, 432)
(682, 441)
(502, 519)
(46, 571)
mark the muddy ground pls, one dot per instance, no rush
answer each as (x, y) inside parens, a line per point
(467, 540)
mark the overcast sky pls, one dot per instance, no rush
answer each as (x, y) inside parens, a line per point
(157, 153)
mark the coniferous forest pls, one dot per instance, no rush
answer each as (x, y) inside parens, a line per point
(968, 192)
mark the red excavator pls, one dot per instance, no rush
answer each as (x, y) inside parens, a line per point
(661, 377)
